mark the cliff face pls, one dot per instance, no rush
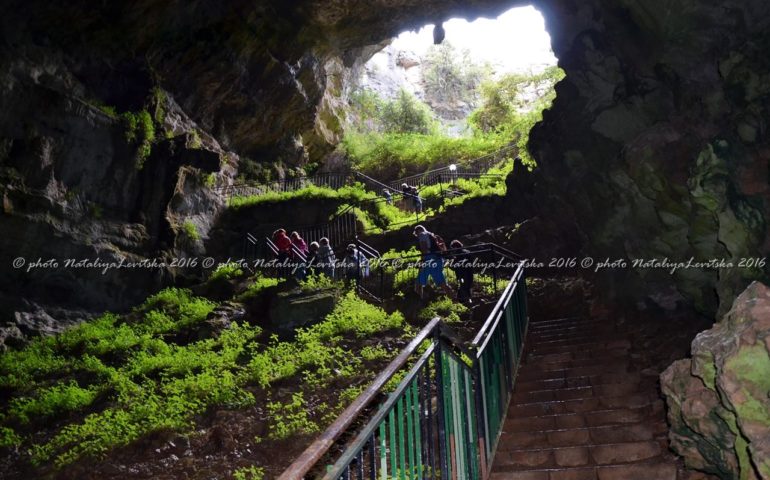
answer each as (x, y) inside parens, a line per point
(656, 145)
(656, 141)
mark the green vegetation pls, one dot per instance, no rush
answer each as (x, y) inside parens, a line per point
(191, 230)
(194, 140)
(450, 75)
(249, 473)
(510, 107)
(350, 193)
(118, 379)
(394, 155)
(444, 307)
(406, 114)
(108, 110)
(140, 129)
(314, 283)
(159, 104)
(289, 419)
(316, 352)
(258, 286)
(211, 180)
(111, 381)
(513, 104)
(226, 271)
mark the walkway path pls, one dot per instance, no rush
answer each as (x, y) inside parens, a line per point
(583, 410)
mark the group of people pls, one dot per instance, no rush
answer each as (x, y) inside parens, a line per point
(317, 257)
(412, 199)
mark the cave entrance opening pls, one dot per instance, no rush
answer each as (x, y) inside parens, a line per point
(480, 89)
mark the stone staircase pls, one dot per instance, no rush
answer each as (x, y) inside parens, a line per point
(583, 409)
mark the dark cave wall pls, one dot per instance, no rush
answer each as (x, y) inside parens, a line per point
(657, 141)
(655, 147)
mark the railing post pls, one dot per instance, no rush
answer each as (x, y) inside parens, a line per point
(480, 423)
(438, 363)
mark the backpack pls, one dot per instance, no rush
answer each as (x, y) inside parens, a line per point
(438, 243)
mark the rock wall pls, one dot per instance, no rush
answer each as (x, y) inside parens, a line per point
(719, 401)
(87, 180)
(655, 142)
(656, 146)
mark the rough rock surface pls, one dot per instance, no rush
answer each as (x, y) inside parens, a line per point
(656, 146)
(719, 401)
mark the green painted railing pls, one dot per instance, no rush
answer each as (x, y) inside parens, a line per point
(444, 418)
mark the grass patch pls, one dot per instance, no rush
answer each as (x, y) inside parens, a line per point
(395, 155)
(349, 193)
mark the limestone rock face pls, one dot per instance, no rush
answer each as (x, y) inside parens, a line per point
(651, 137)
(656, 146)
(79, 191)
(719, 401)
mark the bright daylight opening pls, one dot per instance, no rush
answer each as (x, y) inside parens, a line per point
(417, 105)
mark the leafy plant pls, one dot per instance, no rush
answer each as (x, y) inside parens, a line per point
(406, 114)
(287, 419)
(140, 129)
(444, 307)
(191, 230)
(249, 473)
(314, 283)
(52, 402)
(226, 271)
(257, 286)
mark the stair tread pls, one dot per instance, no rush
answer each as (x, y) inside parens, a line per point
(582, 409)
(647, 470)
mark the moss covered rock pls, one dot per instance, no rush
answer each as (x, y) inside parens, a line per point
(719, 401)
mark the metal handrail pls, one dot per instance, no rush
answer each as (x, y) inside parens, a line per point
(307, 460)
(410, 179)
(470, 402)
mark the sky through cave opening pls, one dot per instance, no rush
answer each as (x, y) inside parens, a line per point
(481, 89)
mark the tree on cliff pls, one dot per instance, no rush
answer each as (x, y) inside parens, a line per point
(450, 76)
(515, 98)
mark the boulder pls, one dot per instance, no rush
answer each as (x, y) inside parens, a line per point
(292, 310)
(719, 400)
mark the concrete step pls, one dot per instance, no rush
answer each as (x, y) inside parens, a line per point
(579, 456)
(576, 437)
(572, 382)
(597, 418)
(574, 393)
(555, 363)
(542, 348)
(584, 405)
(532, 372)
(577, 354)
(656, 470)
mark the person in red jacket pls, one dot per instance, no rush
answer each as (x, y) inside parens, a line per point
(283, 244)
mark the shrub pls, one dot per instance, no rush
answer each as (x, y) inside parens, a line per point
(406, 114)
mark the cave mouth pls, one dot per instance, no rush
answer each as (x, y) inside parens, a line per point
(486, 81)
